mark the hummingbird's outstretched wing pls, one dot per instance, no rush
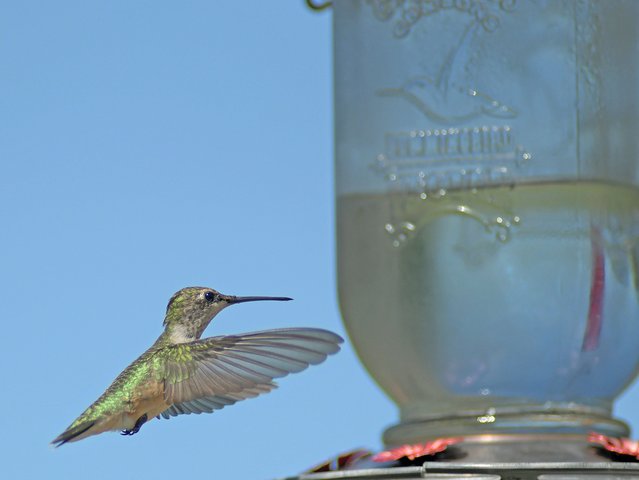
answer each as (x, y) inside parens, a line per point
(208, 374)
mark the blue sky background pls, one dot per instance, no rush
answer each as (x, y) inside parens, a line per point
(150, 145)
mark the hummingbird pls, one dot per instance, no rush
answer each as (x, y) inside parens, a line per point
(182, 373)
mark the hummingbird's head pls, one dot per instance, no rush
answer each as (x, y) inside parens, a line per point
(191, 309)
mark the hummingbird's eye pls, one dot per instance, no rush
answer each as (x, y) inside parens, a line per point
(210, 296)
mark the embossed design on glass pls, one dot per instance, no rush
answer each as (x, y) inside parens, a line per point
(445, 96)
(428, 163)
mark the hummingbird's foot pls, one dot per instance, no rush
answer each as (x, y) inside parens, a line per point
(136, 428)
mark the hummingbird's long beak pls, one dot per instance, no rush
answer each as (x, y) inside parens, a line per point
(231, 299)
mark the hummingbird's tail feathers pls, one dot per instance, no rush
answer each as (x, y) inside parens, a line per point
(71, 434)
(236, 367)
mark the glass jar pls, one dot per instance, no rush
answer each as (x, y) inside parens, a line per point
(487, 181)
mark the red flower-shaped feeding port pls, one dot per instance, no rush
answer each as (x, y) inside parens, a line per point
(620, 446)
(411, 452)
(341, 462)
